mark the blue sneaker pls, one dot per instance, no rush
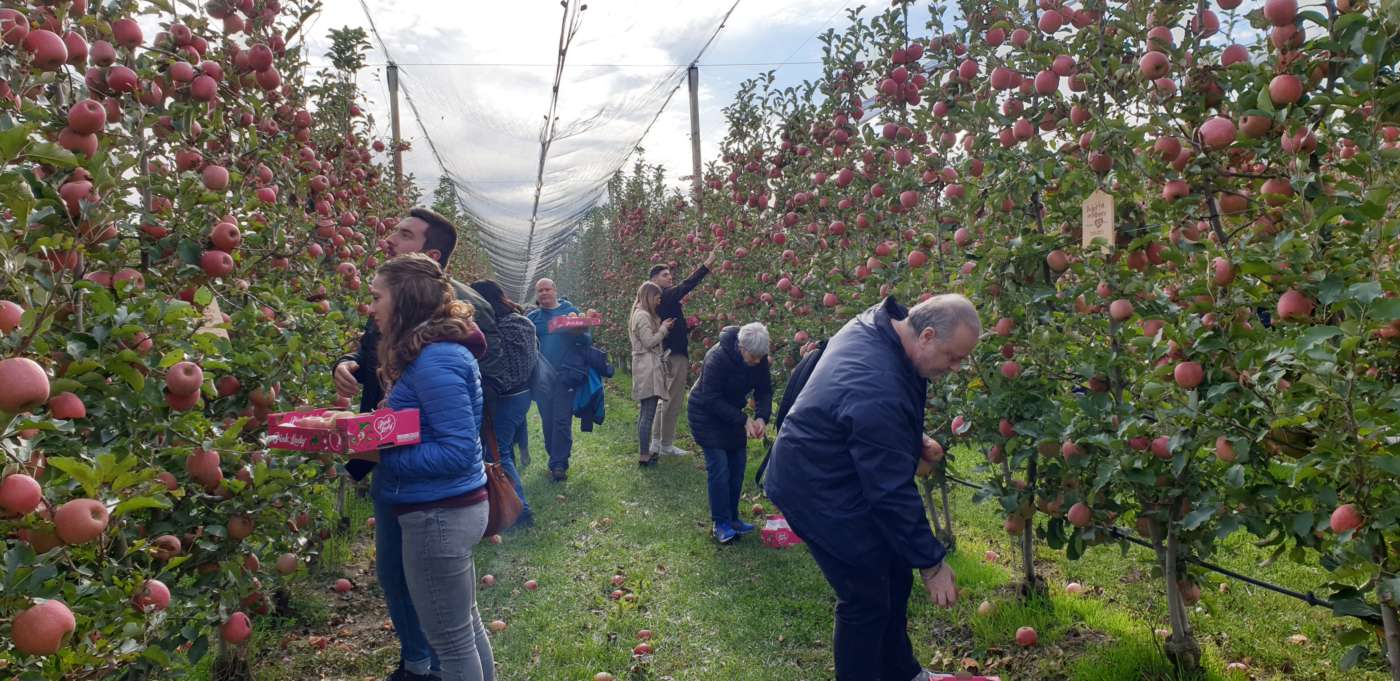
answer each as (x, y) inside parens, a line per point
(740, 527)
(725, 534)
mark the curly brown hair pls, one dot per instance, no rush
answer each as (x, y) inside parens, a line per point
(425, 311)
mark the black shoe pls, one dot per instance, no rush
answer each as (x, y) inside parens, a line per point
(402, 674)
(558, 474)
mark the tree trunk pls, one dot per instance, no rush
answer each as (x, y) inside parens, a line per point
(947, 511)
(1182, 648)
(1392, 636)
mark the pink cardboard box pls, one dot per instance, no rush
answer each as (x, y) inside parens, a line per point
(580, 322)
(350, 435)
(777, 534)
(935, 676)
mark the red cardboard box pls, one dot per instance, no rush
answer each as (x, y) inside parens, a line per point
(359, 434)
(777, 534)
(580, 322)
(935, 676)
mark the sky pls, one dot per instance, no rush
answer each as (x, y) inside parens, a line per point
(624, 60)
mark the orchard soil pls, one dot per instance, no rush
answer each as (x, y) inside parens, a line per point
(751, 612)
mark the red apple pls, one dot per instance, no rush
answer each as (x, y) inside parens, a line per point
(1188, 375)
(1346, 518)
(236, 629)
(47, 51)
(42, 629)
(10, 316)
(1285, 89)
(488, 580)
(166, 546)
(531, 585)
(216, 263)
(215, 177)
(225, 237)
(227, 386)
(1281, 12)
(20, 494)
(203, 467)
(1026, 637)
(127, 33)
(239, 527)
(151, 596)
(1120, 310)
(80, 521)
(1080, 515)
(87, 117)
(1154, 65)
(1217, 133)
(1224, 450)
(1010, 369)
(184, 378)
(23, 385)
(1293, 305)
(67, 406)
(498, 626)
(1161, 447)
(287, 564)
(343, 586)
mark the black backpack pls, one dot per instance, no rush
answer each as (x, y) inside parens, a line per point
(513, 360)
(796, 381)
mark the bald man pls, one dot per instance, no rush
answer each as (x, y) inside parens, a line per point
(557, 406)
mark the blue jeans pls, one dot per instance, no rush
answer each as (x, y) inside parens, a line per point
(414, 652)
(557, 417)
(508, 417)
(441, 574)
(724, 477)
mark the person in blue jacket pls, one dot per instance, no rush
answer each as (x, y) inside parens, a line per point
(842, 473)
(565, 350)
(437, 488)
(734, 368)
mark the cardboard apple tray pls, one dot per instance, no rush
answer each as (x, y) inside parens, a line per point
(358, 434)
(777, 534)
(579, 322)
(935, 676)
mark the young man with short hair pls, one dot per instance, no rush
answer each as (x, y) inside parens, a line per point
(677, 362)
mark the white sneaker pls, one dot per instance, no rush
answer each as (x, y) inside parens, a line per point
(674, 451)
(655, 447)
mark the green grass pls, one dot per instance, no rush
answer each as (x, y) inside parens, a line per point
(754, 613)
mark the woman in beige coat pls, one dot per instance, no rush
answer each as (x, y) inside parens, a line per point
(646, 331)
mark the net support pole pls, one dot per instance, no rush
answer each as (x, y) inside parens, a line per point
(693, 76)
(393, 78)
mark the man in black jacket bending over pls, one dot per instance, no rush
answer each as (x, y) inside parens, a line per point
(677, 365)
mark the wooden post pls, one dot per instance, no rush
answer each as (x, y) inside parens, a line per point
(693, 75)
(393, 78)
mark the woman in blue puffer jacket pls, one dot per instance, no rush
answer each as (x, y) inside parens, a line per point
(438, 487)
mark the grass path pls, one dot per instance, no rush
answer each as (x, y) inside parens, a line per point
(753, 613)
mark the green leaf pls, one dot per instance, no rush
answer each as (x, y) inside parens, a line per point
(13, 140)
(54, 155)
(1354, 656)
(1195, 518)
(203, 296)
(1387, 464)
(1264, 102)
(80, 471)
(1387, 310)
(1354, 607)
(230, 436)
(1365, 292)
(128, 373)
(139, 503)
(1316, 335)
(171, 359)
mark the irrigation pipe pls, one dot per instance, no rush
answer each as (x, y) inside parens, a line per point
(1309, 597)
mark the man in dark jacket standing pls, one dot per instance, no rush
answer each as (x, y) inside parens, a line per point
(422, 231)
(677, 362)
(734, 368)
(843, 468)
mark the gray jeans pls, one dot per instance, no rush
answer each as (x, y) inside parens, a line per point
(441, 576)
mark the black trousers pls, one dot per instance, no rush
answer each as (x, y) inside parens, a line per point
(872, 615)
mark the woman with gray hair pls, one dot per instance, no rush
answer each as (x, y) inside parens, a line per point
(734, 368)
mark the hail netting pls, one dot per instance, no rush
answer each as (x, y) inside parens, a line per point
(485, 116)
